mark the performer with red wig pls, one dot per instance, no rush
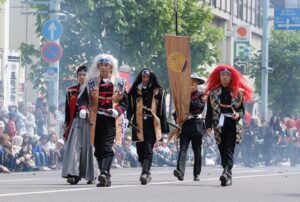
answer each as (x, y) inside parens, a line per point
(226, 90)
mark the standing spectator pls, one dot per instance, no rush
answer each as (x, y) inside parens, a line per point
(1, 102)
(60, 117)
(268, 142)
(40, 119)
(20, 121)
(29, 119)
(51, 119)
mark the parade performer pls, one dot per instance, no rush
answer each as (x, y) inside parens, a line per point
(227, 89)
(192, 130)
(108, 100)
(147, 112)
(78, 161)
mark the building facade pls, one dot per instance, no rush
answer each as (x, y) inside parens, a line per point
(17, 26)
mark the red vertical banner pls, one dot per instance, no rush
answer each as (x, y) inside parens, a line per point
(125, 75)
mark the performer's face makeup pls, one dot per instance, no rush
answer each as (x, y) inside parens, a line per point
(105, 70)
(81, 76)
(225, 78)
(145, 80)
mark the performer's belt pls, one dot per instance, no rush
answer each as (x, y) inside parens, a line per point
(102, 113)
(147, 116)
(194, 116)
(227, 115)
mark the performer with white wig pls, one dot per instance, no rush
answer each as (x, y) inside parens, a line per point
(108, 100)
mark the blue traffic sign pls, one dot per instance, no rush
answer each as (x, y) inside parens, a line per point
(50, 73)
(52, 30)
(51, 52)
(287, 18)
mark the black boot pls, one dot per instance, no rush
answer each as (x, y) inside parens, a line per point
(146, 175)
(104, 180)
(196, 178)
(73, 179)
(177, 173)
(225, 178)
(104, 177)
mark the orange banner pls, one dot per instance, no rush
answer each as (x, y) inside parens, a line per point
(179, 71)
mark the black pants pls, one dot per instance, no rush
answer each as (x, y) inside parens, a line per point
(145, 148)
(190, 133)
(104, 139)
(228, 140)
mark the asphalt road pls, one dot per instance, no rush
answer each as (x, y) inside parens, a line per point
(272, 184)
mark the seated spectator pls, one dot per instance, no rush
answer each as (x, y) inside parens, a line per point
(38, 153)
(164, 155)
(11, 125)
(45, 144)
(130, 155)
(25, 160)
(9, 159)
(53, 152)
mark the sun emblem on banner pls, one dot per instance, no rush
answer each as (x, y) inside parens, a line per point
(177, 62)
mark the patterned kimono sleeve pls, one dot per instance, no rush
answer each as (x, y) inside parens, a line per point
(122, 105)
(92, 84)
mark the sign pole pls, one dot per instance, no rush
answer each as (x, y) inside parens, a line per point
(265, 63)
(53, 86)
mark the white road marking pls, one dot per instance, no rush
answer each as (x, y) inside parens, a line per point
(154, 183)
(19, 180)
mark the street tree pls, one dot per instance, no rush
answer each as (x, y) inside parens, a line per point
(133, 31)
(284, 77)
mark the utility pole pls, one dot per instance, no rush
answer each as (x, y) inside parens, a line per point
(53, 86)
(265, 62)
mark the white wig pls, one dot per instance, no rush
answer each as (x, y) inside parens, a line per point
(94, 72)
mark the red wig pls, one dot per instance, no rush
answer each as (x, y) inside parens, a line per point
(237, 82)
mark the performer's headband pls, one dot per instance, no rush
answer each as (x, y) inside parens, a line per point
(104, 61)
(225, 71)
(146, 73)
(81, 72)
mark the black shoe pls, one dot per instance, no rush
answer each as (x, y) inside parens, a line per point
(226, 179)
(145, 179)
(178, 174)
(196, 178)
(104, 181)
(90, 182)
(72, 180)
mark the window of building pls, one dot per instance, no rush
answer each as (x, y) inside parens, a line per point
(253, 11)
(258, 13)
(240, 10)
(235, 7)
(214, 3)
(228, 6)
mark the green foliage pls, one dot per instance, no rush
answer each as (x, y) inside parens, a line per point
(133, 31)
(32, 58)
(284, 81)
